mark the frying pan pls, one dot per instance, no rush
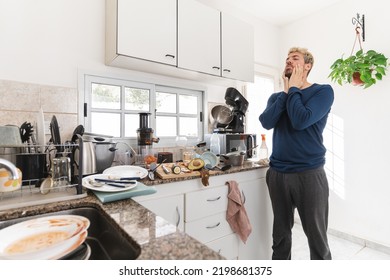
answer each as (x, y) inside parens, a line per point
(55, 133)
(222, 114)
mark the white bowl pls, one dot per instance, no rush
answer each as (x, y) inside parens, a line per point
(6, 183)
(209, 158)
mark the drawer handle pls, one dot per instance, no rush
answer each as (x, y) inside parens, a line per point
(170, 55)
(226, 70)
(214, 226)
(243, 197)
(216, 67)
(178, 216)
(214, 199)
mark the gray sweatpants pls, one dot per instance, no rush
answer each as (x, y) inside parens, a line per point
(307, 191)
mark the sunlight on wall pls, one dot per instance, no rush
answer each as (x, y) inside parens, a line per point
(334, 142)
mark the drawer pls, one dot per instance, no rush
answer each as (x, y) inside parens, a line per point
(209, 228)
(204, 203)
(226, 246)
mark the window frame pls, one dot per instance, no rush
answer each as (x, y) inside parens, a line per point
(85, 110)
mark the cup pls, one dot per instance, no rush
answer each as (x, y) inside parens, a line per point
(61, 171)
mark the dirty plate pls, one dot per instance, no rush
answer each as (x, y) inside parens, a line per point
(43, 238)
(87, 182)
(127, 171)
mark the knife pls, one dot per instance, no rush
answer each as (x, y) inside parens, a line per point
(115, 181)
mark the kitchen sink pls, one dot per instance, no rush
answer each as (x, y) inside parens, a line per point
(105, 239)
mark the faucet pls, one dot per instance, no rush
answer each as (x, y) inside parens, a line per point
(11, 167)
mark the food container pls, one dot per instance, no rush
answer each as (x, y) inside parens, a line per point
(10, 136)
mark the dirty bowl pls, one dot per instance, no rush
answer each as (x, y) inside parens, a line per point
(7, 184)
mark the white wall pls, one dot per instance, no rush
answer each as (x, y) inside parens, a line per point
(364, 208)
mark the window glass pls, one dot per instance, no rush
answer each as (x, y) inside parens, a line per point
(166, 126)
(188, 126)
(131, 125)
(187, 104)
(106, 96)
(106, 123)
(166, 102)
(137, 99)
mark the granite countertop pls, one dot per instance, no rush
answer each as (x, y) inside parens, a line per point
(158, 239)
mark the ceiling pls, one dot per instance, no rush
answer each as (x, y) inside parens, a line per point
(277, 12)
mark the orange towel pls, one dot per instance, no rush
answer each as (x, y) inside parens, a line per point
(236, 214)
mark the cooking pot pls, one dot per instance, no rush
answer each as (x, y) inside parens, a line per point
(234, 158)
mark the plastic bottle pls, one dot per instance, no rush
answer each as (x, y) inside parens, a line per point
(215, 146)
(263, 150)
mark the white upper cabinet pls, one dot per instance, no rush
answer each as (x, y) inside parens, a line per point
(237, 49)
(147, 30)
(199, 45)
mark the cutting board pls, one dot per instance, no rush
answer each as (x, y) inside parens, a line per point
(161, 174)
(140, 189)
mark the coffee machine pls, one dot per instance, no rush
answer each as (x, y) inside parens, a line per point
(239, 106)
(145, 137)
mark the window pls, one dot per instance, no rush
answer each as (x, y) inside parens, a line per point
(257, 95)
(113, 107)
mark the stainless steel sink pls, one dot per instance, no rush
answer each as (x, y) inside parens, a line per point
(106, 240)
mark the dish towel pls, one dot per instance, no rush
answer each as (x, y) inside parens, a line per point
(236, 214)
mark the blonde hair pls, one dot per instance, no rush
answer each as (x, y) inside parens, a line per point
(307, 56)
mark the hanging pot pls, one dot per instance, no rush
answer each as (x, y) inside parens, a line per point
(356, 81)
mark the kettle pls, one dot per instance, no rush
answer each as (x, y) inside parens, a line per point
(88, 158)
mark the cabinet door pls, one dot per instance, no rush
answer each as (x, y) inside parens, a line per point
(198, 37)
(226, 246)
(147, 30)
(258, 207)
(170, 208)
(237, 49)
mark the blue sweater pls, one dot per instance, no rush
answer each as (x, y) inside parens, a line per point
(298, 119)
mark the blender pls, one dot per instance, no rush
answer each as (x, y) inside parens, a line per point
(145, 138)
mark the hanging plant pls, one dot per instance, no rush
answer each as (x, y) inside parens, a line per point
(362, 68)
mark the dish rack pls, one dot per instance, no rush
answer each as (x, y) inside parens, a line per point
(30, 193)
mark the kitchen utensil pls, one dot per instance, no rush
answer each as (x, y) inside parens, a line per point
(222, 114)
(26, 131)
(10, 136)
(105, 153)
(88, 158)
(223, 168)
(49, 237)
(101, 184)
(89, 183)
(55, 134)
(153, 169)
(33, 166)
(209, 158)
(79, 130)
(127, 171)
(46, 185)
(61, 171)
(40, 132)
(115, 181)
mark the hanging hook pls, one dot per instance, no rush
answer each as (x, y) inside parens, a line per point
(356, 21)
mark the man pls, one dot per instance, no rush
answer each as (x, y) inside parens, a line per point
(296, 177)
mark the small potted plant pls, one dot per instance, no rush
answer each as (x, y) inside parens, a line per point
(363, 68)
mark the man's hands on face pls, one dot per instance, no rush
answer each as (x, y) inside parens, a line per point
(296, 79)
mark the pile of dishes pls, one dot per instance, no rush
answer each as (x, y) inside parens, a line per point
(45, 238)
(115, 179)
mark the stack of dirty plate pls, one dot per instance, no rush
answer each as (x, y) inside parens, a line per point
(45, 238)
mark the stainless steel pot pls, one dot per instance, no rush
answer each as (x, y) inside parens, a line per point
(222, 114)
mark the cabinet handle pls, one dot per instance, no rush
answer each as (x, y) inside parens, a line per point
(170, 55)
(216, 67)
(226, 70)
(178, 216)
(243, 197)
(214, 199)
(214, 226)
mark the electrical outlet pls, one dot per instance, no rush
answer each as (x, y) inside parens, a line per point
(47, 127)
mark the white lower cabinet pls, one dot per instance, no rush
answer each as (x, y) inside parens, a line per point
(171, 208)
(226, 246)
(201, 212)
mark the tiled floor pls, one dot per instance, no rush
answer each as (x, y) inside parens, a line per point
(341, 249)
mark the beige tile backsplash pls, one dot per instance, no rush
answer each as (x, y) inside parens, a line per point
(20, 102)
